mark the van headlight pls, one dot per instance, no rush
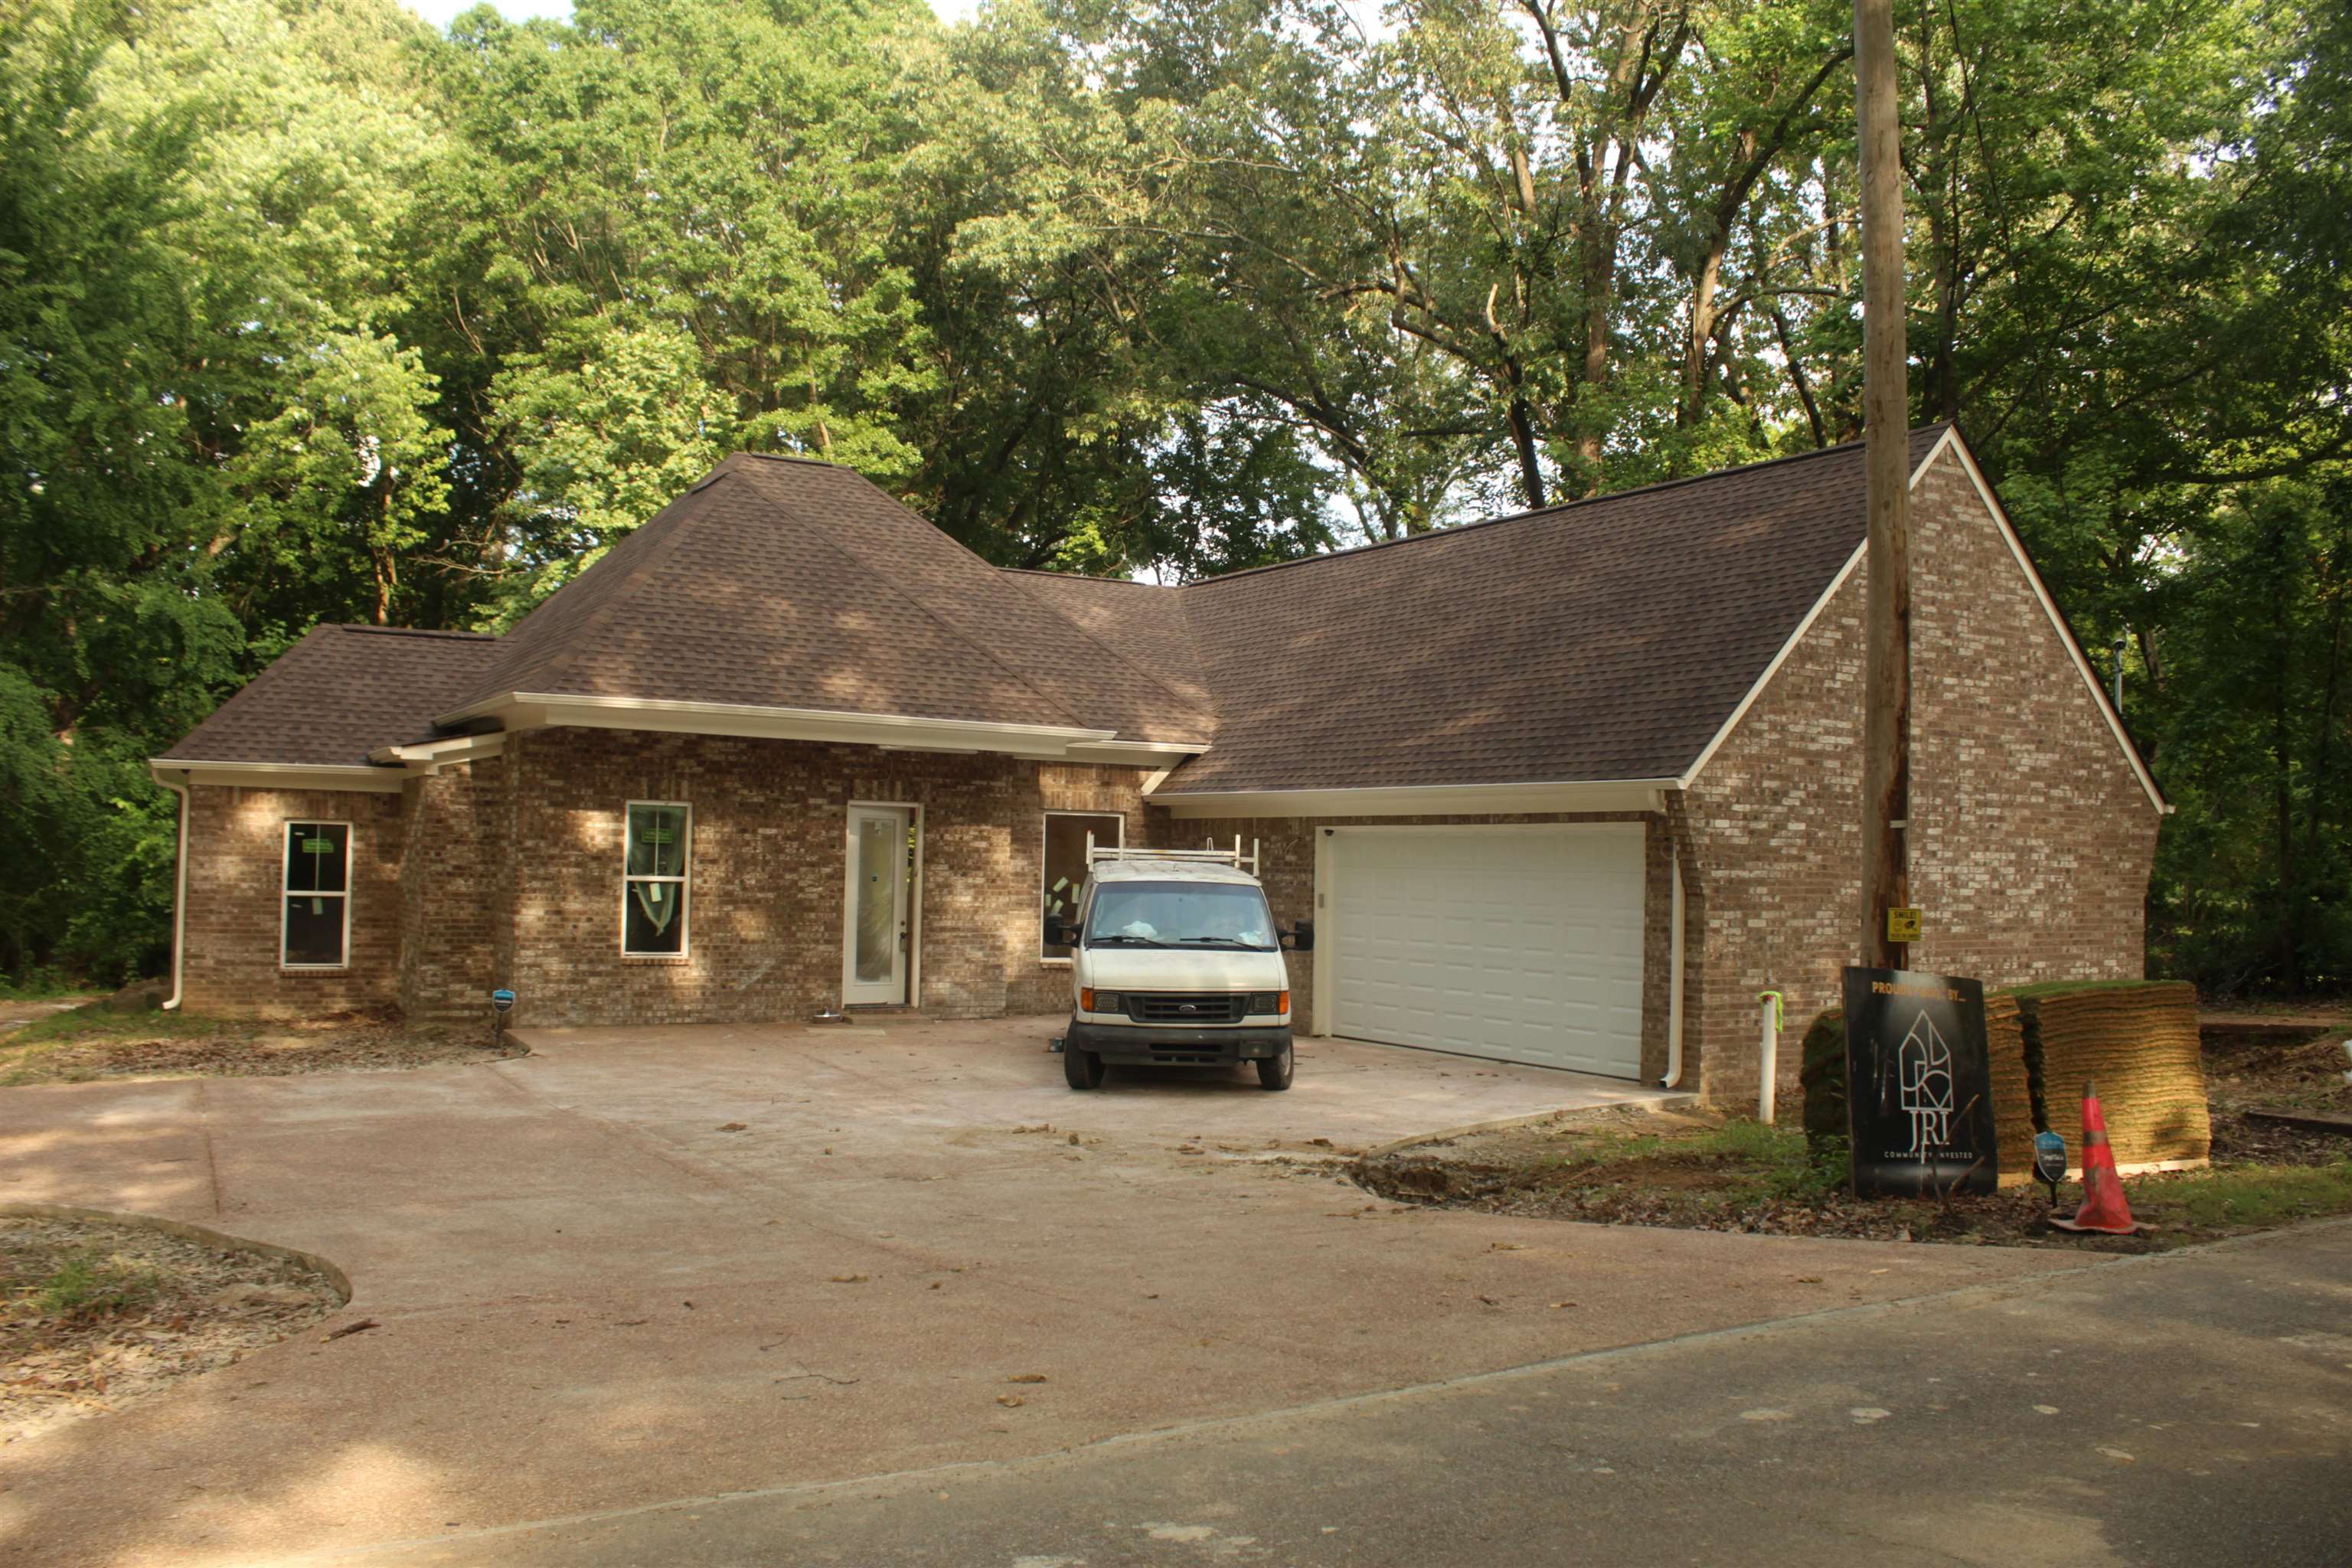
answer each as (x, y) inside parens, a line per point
(1102, 1002)
(1262, 1001)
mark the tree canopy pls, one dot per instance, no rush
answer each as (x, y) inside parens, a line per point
(310, 312)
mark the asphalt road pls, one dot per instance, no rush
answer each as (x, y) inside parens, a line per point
(2188, 1409)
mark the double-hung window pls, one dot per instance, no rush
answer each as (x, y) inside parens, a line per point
(653, 883)
(1066, 868)
(315, 930)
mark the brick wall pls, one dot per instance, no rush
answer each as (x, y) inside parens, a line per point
(767, 872)
(235, 894)
(2032, 839)
(456, 895)
(1034, 985)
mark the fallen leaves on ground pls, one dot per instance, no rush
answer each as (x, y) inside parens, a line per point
(165, 1045)
(94, 1315)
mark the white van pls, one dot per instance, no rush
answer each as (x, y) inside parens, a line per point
(1175, 961)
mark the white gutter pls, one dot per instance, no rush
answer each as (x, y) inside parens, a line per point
(897, 731)
(1598, 795)
(179, 895)
(1674, 982)
(281, 775)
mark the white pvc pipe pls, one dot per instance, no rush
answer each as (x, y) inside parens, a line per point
(1768, 1055)
(179, 896)
(1675, 981)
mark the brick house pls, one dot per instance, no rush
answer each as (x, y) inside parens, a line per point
(1567, 788)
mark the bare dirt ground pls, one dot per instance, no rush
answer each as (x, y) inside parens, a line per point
(1690, 1169)
(95, 1316)
(94, 1043)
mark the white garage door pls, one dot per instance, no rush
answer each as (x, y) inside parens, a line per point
(1520, 943)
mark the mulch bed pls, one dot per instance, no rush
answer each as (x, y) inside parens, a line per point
(155, 1047)
(1563, 1170)
(96, 1315)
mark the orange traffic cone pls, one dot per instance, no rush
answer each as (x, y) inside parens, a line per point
(2103, 1208)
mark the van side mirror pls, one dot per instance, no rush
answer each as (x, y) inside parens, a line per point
(1060, 933)
(1300, 938)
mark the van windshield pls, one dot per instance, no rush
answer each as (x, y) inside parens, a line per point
(1180, 914)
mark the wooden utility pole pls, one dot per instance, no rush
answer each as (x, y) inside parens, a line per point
(1886, 427)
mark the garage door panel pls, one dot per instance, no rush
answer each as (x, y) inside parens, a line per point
(1515, 945)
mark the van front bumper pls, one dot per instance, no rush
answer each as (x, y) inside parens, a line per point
(1143, 1044)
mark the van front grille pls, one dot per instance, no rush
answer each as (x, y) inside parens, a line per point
(1189, 1007)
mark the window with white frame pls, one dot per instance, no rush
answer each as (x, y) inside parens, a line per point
(653, 885)
(1065, 864)
(315, 930)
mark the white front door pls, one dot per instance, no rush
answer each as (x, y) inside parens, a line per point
(877, 935)
(1522, 944)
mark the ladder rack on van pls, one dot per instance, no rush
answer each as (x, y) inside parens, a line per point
(1211, 855)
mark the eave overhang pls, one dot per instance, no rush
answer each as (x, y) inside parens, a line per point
(895, 732)
(1578, 795)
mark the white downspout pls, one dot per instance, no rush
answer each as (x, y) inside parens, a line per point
(1768, 1057)
(179, 894)
(1674, 982)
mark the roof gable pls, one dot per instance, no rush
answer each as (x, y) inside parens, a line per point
(779, 583)
(339, 694)
(1607, 639)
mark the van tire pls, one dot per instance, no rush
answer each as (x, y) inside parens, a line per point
(1082, 1069)
(1274, 1072)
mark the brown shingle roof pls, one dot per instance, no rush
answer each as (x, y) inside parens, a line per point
(1145, 620)
(1605, 639)
(339, 694)
(783, 583)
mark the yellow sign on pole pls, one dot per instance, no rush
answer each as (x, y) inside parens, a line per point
(1902, 923)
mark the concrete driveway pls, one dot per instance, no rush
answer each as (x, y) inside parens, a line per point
(589, 1293)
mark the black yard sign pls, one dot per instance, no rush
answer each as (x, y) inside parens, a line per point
(1919, 1084)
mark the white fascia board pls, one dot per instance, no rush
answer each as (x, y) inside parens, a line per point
(1425, 800)
(357, 776)
(1951, 438)
(1804, 627)
(1164, 754)
(432, 757)
(528, 710)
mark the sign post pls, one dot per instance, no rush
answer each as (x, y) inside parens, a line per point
(2050, 1161)
(1918, 1085)
(503, 1002)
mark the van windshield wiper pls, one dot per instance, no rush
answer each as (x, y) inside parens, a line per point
(1116, 939)
(1234, 943)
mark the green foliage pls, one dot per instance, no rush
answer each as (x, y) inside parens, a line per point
(309, 312)
(1824, 1077)
(2244, 1198)
(88, 1285)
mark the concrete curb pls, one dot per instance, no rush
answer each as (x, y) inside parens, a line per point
(202, 1234)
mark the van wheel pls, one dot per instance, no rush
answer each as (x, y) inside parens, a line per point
(1082, 1069)
(1274, 1072)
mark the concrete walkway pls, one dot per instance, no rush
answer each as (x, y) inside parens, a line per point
(590, 1293)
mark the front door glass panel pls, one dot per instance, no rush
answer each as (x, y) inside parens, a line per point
(881, 878)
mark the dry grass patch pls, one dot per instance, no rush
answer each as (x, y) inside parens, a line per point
(99, 1042)
(94, 1315)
